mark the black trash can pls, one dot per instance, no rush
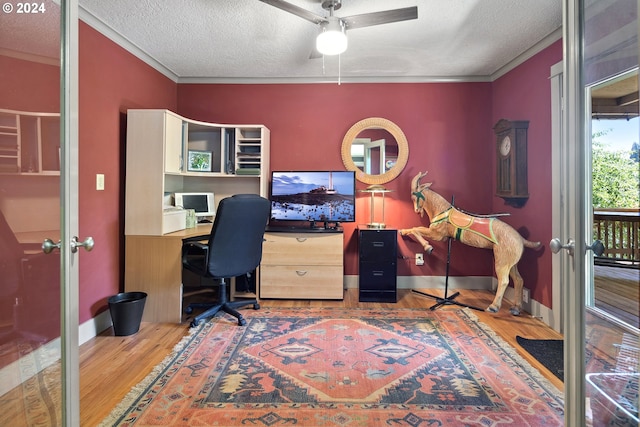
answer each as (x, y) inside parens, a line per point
(126, 312)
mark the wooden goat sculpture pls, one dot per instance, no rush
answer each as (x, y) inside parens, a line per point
(480, 232)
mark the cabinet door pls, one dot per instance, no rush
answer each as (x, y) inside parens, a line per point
(173, 144)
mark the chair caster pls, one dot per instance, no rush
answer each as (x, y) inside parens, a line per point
(242, 321)
(195, 323)
(256, 306)
(188, 310)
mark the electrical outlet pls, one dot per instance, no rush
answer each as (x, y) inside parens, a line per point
(525, 295)
(419, 259)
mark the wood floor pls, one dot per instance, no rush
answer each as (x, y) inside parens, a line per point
(110, 366)
(617, 292)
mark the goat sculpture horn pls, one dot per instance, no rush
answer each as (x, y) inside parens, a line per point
(416, 181)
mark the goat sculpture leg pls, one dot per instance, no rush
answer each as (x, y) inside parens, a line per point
(418, 234)
(506, 264)
(518, 284)
(502, 273)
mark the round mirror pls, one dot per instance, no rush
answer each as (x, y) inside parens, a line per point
(376, 149)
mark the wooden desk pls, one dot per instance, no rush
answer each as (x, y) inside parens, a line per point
(153, 264)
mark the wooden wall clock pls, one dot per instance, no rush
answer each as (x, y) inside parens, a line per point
(511, 161)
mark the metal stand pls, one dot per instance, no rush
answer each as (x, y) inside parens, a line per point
(446, 300)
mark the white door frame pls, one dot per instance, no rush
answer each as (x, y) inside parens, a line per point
(575, 180)
(70, 359)
(558, 263)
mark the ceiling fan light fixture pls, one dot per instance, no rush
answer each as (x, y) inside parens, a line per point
(333, 38)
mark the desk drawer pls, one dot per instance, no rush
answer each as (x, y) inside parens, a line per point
(302, 249)
(301, 282)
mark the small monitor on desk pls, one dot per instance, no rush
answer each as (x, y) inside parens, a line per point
(202, 203)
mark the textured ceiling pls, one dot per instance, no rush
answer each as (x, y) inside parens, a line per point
(247, 40)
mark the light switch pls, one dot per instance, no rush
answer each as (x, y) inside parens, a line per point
(100, 181)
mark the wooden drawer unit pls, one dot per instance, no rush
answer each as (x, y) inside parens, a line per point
(302, 265)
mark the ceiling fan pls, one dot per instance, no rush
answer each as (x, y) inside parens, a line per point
(332, 39)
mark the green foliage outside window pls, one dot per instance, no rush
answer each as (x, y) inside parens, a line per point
(615, 176)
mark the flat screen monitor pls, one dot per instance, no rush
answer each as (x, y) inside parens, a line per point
(202, 203)
(315, 196)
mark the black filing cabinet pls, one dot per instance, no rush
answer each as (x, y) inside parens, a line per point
(378, 264)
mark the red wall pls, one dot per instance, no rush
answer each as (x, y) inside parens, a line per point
(111, 81)
(448, 126)
(525, 94)
(29, 86)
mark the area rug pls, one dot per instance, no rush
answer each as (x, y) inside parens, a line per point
(343, 367)
(548, 352)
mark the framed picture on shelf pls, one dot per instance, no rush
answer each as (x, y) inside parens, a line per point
(199, 161)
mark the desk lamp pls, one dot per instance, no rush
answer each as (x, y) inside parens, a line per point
(373, 190)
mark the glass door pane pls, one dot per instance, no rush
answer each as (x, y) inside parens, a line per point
(611, 321)
(616, 194)
(30, 155)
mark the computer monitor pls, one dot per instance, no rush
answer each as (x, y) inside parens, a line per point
(202, 203)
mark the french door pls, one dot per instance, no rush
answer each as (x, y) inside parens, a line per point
(39, 380)
(600, 41)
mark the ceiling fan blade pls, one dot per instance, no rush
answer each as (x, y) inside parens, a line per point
(296, 10)
(377, 18)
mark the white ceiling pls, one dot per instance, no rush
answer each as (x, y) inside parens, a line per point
(250, 41)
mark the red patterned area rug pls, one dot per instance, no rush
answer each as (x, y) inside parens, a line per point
(343, 367)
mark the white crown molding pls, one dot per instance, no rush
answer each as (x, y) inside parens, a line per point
(528, 54)
(334, 80)
(30, 57)
(123, 42)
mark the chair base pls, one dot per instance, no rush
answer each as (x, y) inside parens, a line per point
(227, 307)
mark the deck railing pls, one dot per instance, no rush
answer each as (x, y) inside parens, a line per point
(619, 231)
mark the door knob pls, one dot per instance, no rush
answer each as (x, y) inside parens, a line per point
(597, 247)
(87, 244)
(48, 246)
(555, 245)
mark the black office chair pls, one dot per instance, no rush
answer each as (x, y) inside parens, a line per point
(234, 249)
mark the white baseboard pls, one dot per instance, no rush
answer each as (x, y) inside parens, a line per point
(536, 309)
(431, 282)
(92, 327)
(14, 374)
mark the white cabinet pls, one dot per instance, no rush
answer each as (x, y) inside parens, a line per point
(167, 153)
(173, 148)
(29, 142)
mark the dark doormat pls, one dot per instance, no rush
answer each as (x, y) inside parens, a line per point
(548, 352)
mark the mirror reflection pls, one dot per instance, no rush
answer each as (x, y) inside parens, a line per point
(376, 149)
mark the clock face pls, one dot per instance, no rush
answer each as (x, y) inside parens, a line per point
(505, 146)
